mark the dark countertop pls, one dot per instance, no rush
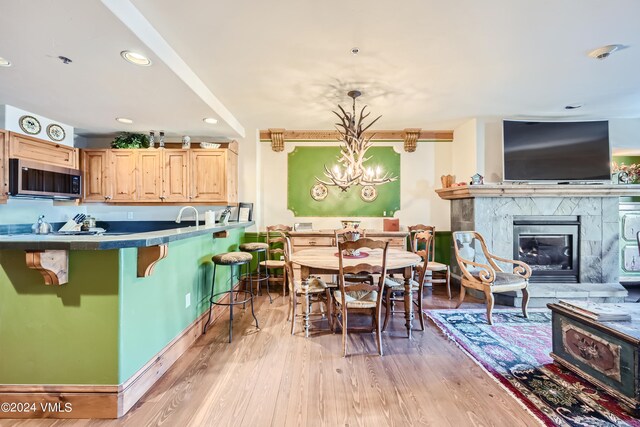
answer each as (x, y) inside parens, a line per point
(104, 242)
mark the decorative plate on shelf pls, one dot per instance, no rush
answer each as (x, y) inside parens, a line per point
(55, 132)
(368, 193)
(30, 125)
(319, 192)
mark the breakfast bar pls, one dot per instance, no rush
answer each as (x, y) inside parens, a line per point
(102, 339)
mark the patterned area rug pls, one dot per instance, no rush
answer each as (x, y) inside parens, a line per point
(515, 351)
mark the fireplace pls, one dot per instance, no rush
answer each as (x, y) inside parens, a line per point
(550, 246)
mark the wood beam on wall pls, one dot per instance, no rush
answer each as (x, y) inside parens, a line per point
(410, 136)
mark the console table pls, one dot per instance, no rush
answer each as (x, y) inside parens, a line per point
(604, 353)
(326, 238)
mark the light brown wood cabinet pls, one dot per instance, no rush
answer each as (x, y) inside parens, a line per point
(39, 150)
(175, 181)
(4, 166)
(160, 176)
(95, 171)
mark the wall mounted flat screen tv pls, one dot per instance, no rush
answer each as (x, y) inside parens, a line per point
(556, 151)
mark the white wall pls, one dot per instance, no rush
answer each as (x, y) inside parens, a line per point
(26, 211)
(10, 120)
(420, 176)
(467, 151)
(624, 135)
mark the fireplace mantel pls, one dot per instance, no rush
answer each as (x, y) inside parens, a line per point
(537, 190)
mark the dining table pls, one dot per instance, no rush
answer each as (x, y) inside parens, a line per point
(325, 260)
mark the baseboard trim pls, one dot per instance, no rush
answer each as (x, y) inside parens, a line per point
(100, 401)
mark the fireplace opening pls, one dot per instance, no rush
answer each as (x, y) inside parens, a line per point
(550, 246)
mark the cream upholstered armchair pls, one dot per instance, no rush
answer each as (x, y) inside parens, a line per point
(481, 271)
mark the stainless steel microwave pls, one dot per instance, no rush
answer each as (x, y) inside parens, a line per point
(33, 179)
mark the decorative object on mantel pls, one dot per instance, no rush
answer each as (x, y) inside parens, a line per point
(130, 140)
(477, 179)
(447, 180)
(351, 169)
(152, 140)
(161, 142)
(624, 174)
(277, 137)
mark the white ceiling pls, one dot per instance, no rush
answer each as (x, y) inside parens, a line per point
(287, 63)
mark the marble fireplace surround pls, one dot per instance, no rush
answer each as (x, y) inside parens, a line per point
(492, 214)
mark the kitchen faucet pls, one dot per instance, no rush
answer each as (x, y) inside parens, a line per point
(179, 218)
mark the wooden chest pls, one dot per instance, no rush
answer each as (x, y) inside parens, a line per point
(604, 353)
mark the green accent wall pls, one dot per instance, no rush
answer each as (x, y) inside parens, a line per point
(152, 309)
(307, 163)
(105, 323)
(59, 334)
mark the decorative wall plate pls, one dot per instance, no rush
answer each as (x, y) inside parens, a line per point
(30, 125)
(368, 193)
(55, 132)
(319, 192)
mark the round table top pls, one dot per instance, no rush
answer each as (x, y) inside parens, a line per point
(325, 258)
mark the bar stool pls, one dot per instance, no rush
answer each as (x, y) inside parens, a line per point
(258, 249)
(232, 259)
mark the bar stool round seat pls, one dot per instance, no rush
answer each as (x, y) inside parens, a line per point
(253, 246)
(237, 260)
(260, 249)
(230, 258)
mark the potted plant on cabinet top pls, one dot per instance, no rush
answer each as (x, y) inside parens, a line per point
(130, 140)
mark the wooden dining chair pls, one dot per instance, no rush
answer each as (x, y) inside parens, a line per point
(275, 256)
(480, 271)
(437, 272)
(362, 295)
(311, 290)
(394, 287)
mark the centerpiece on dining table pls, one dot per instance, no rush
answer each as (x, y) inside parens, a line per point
(350, 233)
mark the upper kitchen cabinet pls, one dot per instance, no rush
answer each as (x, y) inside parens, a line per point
(160, 176)
(175, 176)
(123, 177)
(4, 167)
(150, 175)
(95, 169)
(29, 148)
(214, 176)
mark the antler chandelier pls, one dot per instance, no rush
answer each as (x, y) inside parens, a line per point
(350, 169)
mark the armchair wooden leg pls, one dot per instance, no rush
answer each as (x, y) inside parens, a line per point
(489, 297)
(525, 302)
(463, 291)
(448, 279)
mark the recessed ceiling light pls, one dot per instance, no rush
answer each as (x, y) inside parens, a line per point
(355, 50)
(604, 51)
(210, 120)
(4, 62)
(135, 58)
(124, 120)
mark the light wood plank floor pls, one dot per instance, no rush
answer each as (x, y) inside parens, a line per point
(270, 378)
